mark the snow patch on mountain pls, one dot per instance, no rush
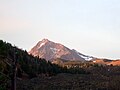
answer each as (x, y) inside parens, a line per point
(42, 44)
(86, 57)
(83, 56)
(54, 50)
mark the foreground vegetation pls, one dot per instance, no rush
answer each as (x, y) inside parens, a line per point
(72, 82)
(17, 62)
(34, 73)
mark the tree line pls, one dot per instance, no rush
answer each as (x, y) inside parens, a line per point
(15, 61)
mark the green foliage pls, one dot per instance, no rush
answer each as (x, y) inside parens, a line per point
(30, 65)
(3, 81)
(76, 70)
(26, 64)
(99, 78)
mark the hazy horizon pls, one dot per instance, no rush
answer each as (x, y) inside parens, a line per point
(89, 26)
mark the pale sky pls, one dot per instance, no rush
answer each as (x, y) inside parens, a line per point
(92, 27)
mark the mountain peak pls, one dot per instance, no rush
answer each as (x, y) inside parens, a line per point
(42, 43)
(51, 50)
(45, 40)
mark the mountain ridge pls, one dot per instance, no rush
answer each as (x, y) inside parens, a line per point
(50, 50)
